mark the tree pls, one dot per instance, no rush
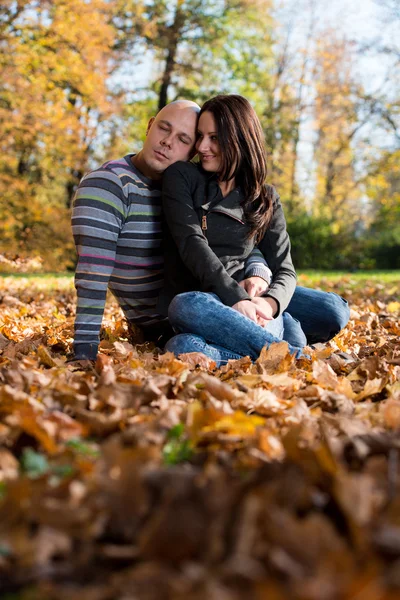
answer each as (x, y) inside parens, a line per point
(383, 190)
(54, 94)
(204, 47)
(338, 193)
(199, 49)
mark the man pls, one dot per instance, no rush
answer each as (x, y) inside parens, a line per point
(116, 223)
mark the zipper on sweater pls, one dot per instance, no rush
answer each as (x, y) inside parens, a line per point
(222, 212)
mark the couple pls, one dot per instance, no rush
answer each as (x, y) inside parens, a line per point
(208, 271)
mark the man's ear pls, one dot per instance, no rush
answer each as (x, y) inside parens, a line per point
(149, 124)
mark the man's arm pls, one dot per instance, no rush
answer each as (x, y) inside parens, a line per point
(256, 266)
(97, 217)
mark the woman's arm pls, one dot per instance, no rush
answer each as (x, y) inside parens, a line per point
(275, 246)
(184, 225)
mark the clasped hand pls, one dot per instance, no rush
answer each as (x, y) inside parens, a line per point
(259, 310)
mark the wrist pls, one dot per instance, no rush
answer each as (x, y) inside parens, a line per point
(259, 271)
(273, 304)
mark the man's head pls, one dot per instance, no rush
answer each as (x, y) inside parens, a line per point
(170, 137)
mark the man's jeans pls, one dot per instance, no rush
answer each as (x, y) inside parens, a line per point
(222, 333)
(321, 314)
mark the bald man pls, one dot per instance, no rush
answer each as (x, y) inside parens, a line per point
(116, 223)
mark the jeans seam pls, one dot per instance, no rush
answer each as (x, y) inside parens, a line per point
(225, 352)
(227, 355)
(195, 343)
(230, 354)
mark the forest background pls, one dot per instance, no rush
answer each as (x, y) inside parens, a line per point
(80, 79)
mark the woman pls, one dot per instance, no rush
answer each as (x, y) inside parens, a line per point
(217, 212)
(215, 226)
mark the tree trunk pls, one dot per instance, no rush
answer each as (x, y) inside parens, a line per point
(174, 33)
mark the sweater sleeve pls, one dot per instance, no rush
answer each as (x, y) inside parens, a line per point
(97, 217)
(275, 246)
(184, 225)
(256, 266)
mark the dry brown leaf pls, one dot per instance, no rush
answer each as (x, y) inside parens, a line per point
(372, 386)
(279, 474)
(198, 359)
(263, 402)
(47, 359)
(324, 375)
(9, 466)
(391, 413)
(275, 359)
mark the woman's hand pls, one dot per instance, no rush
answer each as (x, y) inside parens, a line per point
(268, 307)
(259, 312)
(254, 286)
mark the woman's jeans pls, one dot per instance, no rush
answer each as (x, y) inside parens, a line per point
(206, 325)
(222, 333)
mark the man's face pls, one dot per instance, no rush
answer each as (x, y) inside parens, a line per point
(170, 137)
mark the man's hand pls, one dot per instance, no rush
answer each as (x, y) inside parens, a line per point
(254, 286)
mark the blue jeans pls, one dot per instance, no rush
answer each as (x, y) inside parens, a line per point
(321, 314)
(312, 316)
(206, 325)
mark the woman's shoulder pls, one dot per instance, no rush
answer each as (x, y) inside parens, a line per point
(272, 193)
(184, 169)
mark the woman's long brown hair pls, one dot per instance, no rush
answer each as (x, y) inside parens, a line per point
(243, 156)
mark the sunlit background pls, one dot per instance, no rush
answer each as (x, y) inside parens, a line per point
(80, 79)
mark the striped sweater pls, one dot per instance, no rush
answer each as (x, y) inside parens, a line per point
(116, 223)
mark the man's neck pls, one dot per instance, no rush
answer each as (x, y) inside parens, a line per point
(141, 165)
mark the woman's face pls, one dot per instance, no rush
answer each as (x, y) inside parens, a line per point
(207, 143)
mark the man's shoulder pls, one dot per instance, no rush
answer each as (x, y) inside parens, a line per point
(112, 169)
(119, 167)
(119, 172)
(116, 165)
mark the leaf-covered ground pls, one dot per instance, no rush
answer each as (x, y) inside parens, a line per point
(152, 478)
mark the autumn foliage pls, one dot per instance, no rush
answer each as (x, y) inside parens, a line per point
(153, 477)
(80, 81)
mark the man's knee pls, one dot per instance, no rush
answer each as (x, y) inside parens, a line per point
(293, 332)
(339, 311)
(334, 313)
